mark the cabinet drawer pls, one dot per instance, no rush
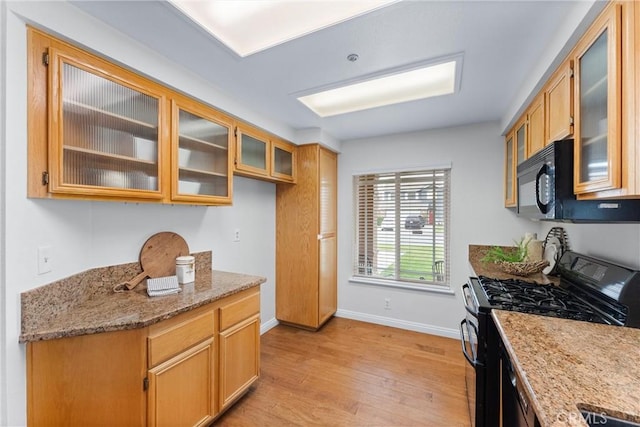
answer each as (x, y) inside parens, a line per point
(238, 311)
(179, 336)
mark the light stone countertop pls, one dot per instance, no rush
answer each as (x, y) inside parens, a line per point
(567, 364)
(86, 304)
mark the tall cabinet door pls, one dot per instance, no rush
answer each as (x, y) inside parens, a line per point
(306, 233)
(327, 274)
(597, 146)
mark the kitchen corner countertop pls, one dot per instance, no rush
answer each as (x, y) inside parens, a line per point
(477, 252)
(567, 365)
(86, 304)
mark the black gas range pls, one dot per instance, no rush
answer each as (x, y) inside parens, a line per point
(589, 289)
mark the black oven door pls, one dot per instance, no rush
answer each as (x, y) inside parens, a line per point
(474, 369)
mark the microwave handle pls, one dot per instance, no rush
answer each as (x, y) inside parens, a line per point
(544, 207)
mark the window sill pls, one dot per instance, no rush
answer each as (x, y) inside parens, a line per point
(444, 289)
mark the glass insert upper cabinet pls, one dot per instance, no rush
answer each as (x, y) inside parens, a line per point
(521, 140)
(283, 160)
(201, 163)
(263, 156)
(597, 146)
(253, 155)
(509, 171)
(104, 129)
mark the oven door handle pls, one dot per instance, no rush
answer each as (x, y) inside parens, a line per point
(469, 293)
(471, 360)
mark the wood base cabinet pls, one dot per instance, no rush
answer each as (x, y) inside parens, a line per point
(181, 389)
(183, 371)
(92, 380)
(306, 234)
(239, 347)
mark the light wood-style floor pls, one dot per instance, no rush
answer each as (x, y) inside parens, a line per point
(353, 373)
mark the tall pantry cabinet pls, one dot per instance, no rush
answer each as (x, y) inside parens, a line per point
(306, 240)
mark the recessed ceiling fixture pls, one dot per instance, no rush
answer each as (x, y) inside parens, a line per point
(418, 83)
(249, 26)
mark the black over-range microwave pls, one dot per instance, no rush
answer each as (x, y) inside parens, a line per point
(545, 191)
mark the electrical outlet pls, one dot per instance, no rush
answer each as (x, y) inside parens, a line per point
(236, 235)
(45, 260)
(387, 303)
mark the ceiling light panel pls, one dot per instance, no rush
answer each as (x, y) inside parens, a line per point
(429, 81)
(249, 26)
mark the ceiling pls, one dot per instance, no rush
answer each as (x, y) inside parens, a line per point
(501, 42)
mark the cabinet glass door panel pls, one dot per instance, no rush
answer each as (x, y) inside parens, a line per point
(254, 152)
(593, 111)
(203, 155)
(109, 131)
(282, 161)
(600, 102)
(521, 143)
(509, 181)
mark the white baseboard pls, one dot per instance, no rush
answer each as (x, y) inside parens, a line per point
(402, 324)
(269, 324)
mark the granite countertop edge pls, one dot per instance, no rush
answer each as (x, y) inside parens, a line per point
(568, 365)
(207, 289)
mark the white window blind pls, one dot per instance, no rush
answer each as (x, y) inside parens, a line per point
(402, 226)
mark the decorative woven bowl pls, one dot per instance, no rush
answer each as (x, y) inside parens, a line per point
(522, 268)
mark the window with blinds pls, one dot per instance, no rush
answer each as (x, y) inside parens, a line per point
(402, 226)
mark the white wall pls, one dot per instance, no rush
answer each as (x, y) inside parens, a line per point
(3, 297)
(477, 217)
(91, 234)
(619, 243)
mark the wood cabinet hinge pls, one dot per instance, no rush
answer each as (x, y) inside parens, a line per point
(45, 178)
(571, 72)
(571, 120)
(45, 58)
(235, 132)
(145, 384)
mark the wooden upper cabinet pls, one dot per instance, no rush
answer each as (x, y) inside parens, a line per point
(536, 129)
(201, 141)
(101, 132)
(607, 147)
(593, 97)
(520, 137)
(253, 155)
(597, 105)
(283, 160)
(559, 104)
(260, 155)
(105, 126)
(510, 171)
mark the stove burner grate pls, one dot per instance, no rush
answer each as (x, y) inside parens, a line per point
(527, 297)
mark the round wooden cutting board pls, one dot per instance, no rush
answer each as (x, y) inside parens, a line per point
(158, 258)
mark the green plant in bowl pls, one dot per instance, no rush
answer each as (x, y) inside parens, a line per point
(516, 254)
